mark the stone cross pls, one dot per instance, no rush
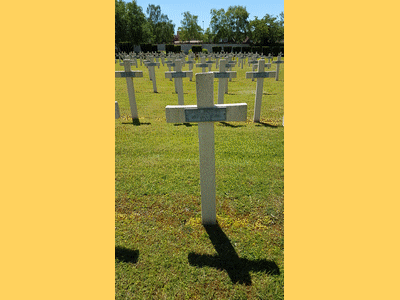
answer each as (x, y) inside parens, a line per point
(277, 62)
(205, 113)
(260, 75)
(178, 75)
(209, 62)
(152, 73)
(117, 115)
(190, 62)
(128, 75)
(254, 63)
(203, 65)
(223, 76)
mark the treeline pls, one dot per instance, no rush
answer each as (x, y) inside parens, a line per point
(231, 26)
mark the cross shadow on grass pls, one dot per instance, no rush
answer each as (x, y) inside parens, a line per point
(126, 255)
(273, 125)
(230, 125)
(186, 124)
(227, 259)
(136, 122)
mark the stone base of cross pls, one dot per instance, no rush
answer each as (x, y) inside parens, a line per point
(205, 113)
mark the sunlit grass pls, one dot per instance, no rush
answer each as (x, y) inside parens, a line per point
(157, 203)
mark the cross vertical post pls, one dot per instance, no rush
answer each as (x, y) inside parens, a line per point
(223, 76)
(277, 62)
(205, 114)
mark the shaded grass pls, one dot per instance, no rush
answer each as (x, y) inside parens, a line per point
(157, 204)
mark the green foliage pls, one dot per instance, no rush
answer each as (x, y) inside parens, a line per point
(146, 47)
(125, 47)
(266, 50)
(169, 48)
(246, 49)
(268, 30)
(256, 49)
(219, 25)
(177, 48)
(216, 49)
(204, 51)
(197, 49)
(190, 30)
(237, 49)
(227, 49)
(237, 17)
(162, 28)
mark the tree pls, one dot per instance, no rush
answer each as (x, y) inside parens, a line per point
(120, 21)
(190, 30)
(135, 21)
(162, 29)
(268, 30)
(219, 25)
(237, 18)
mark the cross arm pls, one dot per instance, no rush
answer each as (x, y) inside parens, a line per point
(122, 74)
(269, 74)
(233, 112)
(178, 74)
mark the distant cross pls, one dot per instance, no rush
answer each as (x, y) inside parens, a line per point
(117, 115)
(254, 63)
(260, 75)
(190, 62)
(227, 259)
(169, 63)
(209, 62)
(128, 75)
(270, 57)
(205, 114)
(223, 76)
(277, 62)
(203, 65)
(178, 75)
(150, 65)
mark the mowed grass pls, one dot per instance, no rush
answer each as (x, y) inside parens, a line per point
(162, 250)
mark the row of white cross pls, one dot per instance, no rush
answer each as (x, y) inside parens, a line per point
(223, 75)
(205, 113)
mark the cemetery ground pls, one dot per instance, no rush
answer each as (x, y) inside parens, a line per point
(162, 249)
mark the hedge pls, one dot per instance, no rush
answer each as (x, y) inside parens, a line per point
(227, 49)
(177, 48)
(169, 48)
(197, 49)
(216, 49)
(236, 49)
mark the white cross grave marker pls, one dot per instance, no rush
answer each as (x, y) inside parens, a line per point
(178, 75)
(205, 113)
(277, 62)
(260, 75)
(203, 65)
(117, 115)
(223, 76)
(152, 73)
(129, 75)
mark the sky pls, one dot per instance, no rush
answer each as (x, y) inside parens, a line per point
(201, 8)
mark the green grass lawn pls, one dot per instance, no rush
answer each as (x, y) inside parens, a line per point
(162, 250)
